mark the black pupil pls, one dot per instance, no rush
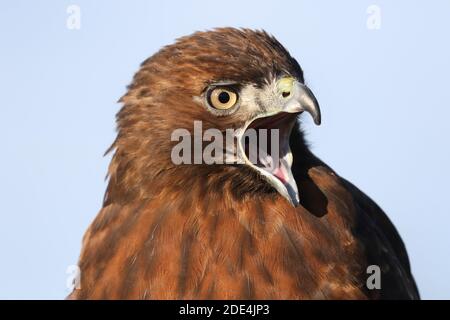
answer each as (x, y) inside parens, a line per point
(286, 94)
(224, 97)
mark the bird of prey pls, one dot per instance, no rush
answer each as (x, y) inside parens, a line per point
(238, 230)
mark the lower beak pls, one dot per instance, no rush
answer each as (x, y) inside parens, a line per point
(264, 142)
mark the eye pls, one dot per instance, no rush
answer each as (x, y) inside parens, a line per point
(285, 86)
(222, 98)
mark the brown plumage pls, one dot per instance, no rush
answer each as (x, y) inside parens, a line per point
(222, 231)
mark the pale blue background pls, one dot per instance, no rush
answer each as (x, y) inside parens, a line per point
(384, 95)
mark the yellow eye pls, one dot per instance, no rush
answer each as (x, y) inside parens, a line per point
(285, 86)
(222, 98)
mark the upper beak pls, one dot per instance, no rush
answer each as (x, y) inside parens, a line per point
(305, 101)
(280, 176)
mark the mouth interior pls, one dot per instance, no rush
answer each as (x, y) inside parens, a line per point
(269, 150)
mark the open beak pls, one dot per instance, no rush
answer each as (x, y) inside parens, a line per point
(264, 142)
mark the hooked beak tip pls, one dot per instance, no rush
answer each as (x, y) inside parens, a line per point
(318, 119)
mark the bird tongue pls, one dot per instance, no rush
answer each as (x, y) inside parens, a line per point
(280, 174)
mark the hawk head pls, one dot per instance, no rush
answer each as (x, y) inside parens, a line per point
(226, 79)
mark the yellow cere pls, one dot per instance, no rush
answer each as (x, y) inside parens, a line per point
(285, 86)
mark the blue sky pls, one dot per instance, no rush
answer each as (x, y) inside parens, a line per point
(384, 96)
